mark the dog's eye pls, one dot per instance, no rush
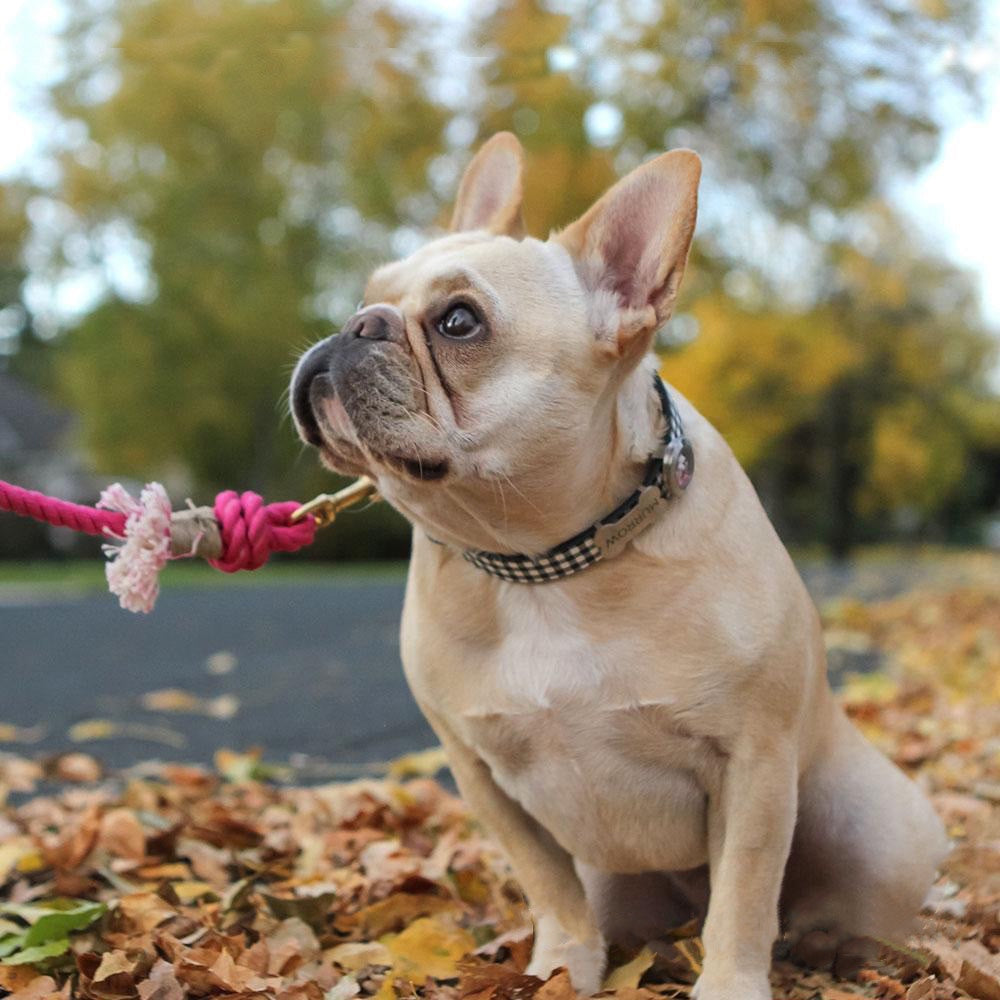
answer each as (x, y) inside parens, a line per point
(458, 323)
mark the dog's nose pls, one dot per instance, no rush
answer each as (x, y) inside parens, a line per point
(378, 322)
(315, 363)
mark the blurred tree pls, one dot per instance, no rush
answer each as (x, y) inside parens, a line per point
(14, 317)
(847, 369)
(257, 156)
(863, 413)
(524, 90)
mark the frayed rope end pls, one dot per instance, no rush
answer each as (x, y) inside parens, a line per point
(134, 568)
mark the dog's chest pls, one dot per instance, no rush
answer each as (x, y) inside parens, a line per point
(619, 788)
(603, 761)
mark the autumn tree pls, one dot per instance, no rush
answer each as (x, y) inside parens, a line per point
(255, 159)
(846, 368)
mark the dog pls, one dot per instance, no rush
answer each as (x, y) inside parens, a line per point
(636, 706)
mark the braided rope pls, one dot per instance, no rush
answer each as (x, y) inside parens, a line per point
(61, 513)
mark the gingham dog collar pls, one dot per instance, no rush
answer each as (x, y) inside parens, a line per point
(667, 476)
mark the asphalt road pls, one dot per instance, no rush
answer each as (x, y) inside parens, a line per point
(315, 669)
(309, 672)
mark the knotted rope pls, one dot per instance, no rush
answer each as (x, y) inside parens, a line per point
(251, 530)
(240, 532)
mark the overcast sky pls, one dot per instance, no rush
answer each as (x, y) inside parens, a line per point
(955, 200)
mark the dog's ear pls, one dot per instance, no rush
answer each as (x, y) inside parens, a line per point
(489, 196)
(633, 243)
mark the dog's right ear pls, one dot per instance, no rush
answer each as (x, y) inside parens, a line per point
(489, 196)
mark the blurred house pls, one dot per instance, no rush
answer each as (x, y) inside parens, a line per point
(36, 451)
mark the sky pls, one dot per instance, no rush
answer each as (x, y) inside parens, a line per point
(954, 201)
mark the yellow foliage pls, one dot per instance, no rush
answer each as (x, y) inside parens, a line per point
(916, 459)
(429, 947)
(757, 375)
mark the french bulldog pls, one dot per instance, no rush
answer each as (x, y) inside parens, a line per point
(653, 736)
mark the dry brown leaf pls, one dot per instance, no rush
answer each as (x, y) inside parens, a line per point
(14, 978)
(558, 987)
(76, 767)
(69, 848)
(121, 834)
(39, 988)
(980, 972)
(162, 984)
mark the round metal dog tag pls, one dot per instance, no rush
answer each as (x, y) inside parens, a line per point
(678, 465)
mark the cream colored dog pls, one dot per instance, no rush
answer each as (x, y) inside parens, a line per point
(656, 722)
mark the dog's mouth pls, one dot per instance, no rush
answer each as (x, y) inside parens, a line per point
(418, 468)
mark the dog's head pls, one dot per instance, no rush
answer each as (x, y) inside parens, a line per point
(489, 381)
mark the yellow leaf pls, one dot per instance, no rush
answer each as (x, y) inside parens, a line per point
(422, 764)
(354, 955)
(12, 853)
(188, 892)
(387, 991)
(629, 974)
(429, 947)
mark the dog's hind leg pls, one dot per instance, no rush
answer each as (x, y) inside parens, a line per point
(866, 846)
(632, 910)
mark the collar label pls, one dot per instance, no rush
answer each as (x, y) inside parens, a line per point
(612, 538)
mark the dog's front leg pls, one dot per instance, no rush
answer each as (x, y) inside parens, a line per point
(750, 825)
(566, 933)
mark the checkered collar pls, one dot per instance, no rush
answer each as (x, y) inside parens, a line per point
(667, 476)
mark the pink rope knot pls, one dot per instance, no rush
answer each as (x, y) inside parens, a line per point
(251, 530)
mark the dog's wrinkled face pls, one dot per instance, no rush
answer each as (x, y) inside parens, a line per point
(480, 382)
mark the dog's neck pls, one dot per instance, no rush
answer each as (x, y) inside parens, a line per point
(534, 513)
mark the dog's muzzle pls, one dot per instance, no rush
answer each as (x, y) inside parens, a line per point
(328, 362)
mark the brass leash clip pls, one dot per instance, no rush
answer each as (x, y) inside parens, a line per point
(325, 507)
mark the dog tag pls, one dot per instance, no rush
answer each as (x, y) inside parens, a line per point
(678, 466)
(612, 538)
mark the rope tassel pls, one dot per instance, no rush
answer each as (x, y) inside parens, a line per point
(240, 532)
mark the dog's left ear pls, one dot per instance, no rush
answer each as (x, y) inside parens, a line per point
(634, 242)
(489, 196)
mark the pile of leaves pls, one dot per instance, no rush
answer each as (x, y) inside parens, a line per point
(175, 881)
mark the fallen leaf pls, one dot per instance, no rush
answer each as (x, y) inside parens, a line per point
(421, 764)
(162, 984)
(429, 947)
(21, 734)
(395, 912)
(354, 955)
(345, 989)
(629, 974)
(38, 988)
(76, 767)
(121, 834)
(15, 977)
(225, 706)
(557, 988)
(222, 662)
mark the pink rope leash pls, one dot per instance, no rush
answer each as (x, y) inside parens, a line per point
(60, 513)
(252, 530)
(242, 534)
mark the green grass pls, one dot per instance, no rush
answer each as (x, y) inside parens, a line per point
(89, 575)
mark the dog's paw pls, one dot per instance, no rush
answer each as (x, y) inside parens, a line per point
(714, 985)
(556, 949)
